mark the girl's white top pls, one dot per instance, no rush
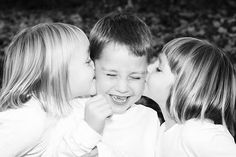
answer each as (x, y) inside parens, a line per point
(25, 131)
(195, 138)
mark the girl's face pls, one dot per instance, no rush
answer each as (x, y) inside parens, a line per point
(81, 71)
(159, 80)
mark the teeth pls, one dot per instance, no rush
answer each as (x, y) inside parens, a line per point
(120, 99)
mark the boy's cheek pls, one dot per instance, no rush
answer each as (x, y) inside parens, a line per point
(104, 82)
(138, 85)
(101, 86)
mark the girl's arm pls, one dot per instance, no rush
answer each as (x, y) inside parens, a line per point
(83, 141)
(79, 141)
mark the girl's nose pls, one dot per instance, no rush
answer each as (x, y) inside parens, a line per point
(92, 64)
(150, 68)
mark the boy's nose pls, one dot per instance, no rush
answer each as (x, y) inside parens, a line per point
(122, 86)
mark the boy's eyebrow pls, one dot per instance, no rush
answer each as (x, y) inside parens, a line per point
(141, 72)
(137, 72)
(104, 69)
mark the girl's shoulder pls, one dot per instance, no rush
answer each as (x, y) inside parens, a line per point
(29, 111)
(198, 138)
(203, 128)
(206, 135)
(29, 119)
(22, 128)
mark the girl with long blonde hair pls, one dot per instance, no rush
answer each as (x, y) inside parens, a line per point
(194, 82)
(46, 66)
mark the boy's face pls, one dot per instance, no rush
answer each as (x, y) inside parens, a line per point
(120, 76)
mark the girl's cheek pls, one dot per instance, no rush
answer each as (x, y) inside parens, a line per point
(93, 90)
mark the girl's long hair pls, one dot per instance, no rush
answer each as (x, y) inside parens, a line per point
(205, 86)
(36, 64)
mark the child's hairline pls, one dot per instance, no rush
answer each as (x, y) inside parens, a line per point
(127, 46)
(101, 34)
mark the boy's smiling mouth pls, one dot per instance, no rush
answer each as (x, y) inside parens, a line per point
(119, 100)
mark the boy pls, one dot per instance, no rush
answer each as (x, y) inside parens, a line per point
(119, 46)
(112, 124)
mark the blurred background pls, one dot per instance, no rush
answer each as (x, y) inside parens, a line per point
(213, 20)
(205, 19)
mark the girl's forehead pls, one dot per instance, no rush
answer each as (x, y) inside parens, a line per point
(161, 61)
(163, 58)
(158, 59)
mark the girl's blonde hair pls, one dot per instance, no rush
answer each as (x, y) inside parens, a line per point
(205, 86)
(36, 64)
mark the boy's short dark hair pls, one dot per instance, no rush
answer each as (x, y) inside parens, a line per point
(122, 28)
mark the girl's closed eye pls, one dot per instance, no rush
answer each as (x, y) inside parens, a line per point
(158, 69)
(88, 61)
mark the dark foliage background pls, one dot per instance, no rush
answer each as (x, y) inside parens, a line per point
(206, 19)
(214, 20)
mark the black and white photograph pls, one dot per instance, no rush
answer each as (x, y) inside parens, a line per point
(117, 78)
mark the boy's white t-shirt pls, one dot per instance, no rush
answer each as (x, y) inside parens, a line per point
(132, 134)
(195, 138)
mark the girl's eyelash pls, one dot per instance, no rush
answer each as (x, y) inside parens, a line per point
(88, 61)
(158, 69)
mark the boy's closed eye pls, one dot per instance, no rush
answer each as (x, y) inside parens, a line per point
(111, 75)
(138, 76)
(135, 77)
